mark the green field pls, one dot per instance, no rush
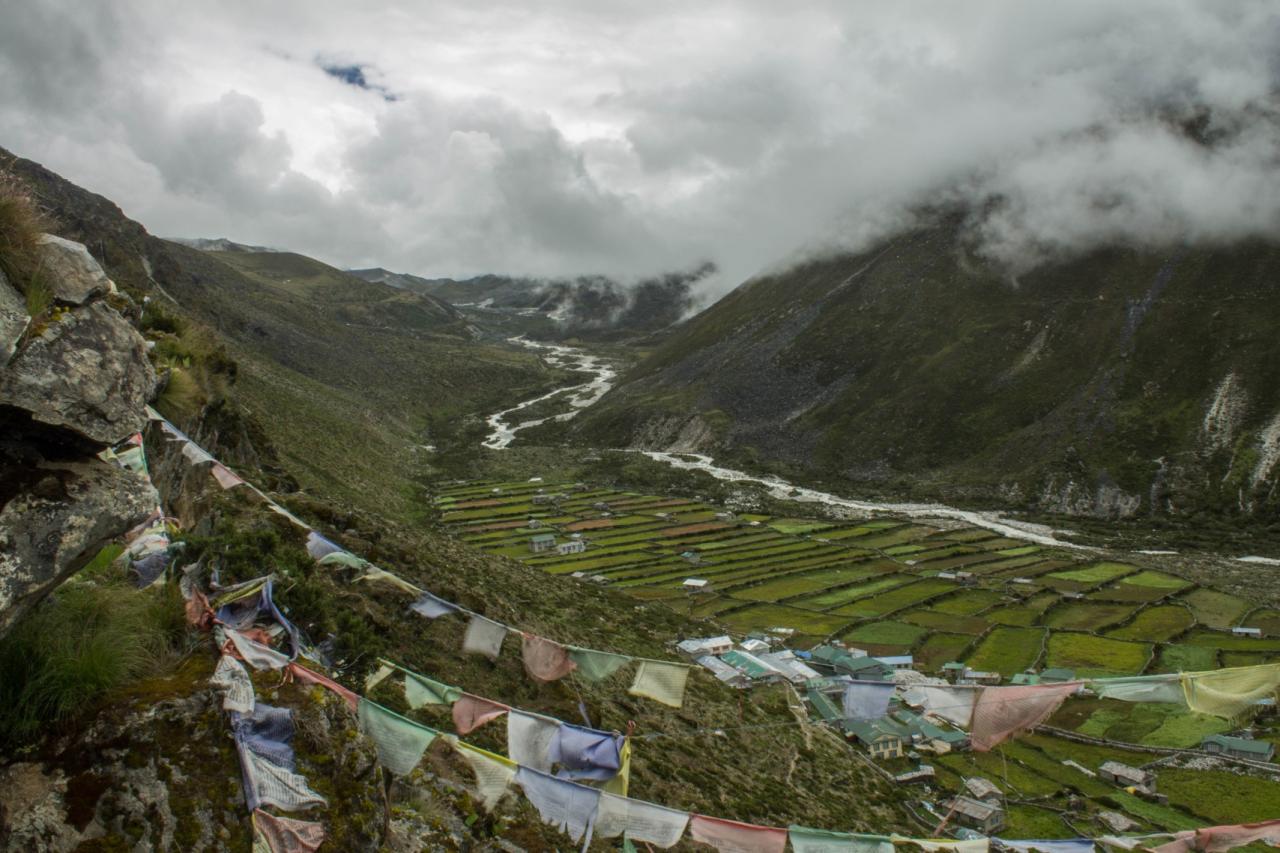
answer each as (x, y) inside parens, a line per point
(1084, 616)
(1093, 575)
(1157, 624)
(1007, 650)
(872, 581)
(1215, 609)
(1096, 656)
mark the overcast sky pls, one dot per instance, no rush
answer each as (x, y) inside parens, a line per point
(455, 138)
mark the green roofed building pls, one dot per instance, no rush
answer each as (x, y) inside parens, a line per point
(882, 738)
(1024, 678)
(1239, 747)
(841, 662)
(752, 666)
(825, 707)
(1057, 675)
(917, 725)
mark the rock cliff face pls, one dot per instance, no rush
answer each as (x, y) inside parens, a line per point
(73, 381)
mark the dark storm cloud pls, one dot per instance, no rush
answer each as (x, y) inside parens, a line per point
(629, 138)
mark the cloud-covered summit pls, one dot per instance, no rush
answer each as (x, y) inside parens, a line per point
(626, 139)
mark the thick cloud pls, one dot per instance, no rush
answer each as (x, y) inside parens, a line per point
(628, 138)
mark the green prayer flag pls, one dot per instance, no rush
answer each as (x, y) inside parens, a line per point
(343, 558)
(1142, 688)
(806, 840)
(400, 742)
(593, 665)
(420, 690)
(627, 846)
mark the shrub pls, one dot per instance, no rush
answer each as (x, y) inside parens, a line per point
(78, 645)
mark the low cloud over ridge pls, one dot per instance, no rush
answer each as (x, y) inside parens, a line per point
(629, 139)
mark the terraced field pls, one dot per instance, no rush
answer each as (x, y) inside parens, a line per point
(889, 586)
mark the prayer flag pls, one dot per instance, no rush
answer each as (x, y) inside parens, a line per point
(594, 665)
(1230, 693)
(373, 573)
(432, 607)
(420, 690)
(232, 677)
(586, 753)
(484, 637)
(730, 836)
(1218, 839)
(493, 773)
(529, 740)
(400, 742)
(343, 558)
(1142, 688)
(975, 845)
(1054, 845)
(311, 677)
(639, 821)
(544, 659)
(1001, 712)
(256, 655)
(662, 682)
(285, 834)
(225, 476)
(867, 701)
(319, 547)
(472, 712)
(619, 783)
(267, 783)
(376, 677)
(569, 807)
(953, 704)
(806, 840)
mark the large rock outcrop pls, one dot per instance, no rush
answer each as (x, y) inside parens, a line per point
(73, 381)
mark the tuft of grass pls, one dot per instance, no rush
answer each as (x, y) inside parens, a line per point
(77, 646)
(21, 224)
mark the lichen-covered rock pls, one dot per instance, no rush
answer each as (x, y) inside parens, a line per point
(54, 517)
(87, 371)
(13, 319)
(33, 811)
(71, 272)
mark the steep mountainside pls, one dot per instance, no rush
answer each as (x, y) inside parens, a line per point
(1118, 383)
(332, 362)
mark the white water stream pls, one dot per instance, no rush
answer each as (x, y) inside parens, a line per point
(504, 429)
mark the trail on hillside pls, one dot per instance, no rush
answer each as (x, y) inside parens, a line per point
(503, 429)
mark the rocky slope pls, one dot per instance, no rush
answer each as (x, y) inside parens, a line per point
(73, 381)
(1120, 383)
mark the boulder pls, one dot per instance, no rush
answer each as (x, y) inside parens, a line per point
(87, 372)
(55, 518)
(71, 272)
(13, 319)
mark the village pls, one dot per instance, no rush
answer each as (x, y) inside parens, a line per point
(814, 607)
(906, 730)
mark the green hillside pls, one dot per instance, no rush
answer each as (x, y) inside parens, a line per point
(1119, 383)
